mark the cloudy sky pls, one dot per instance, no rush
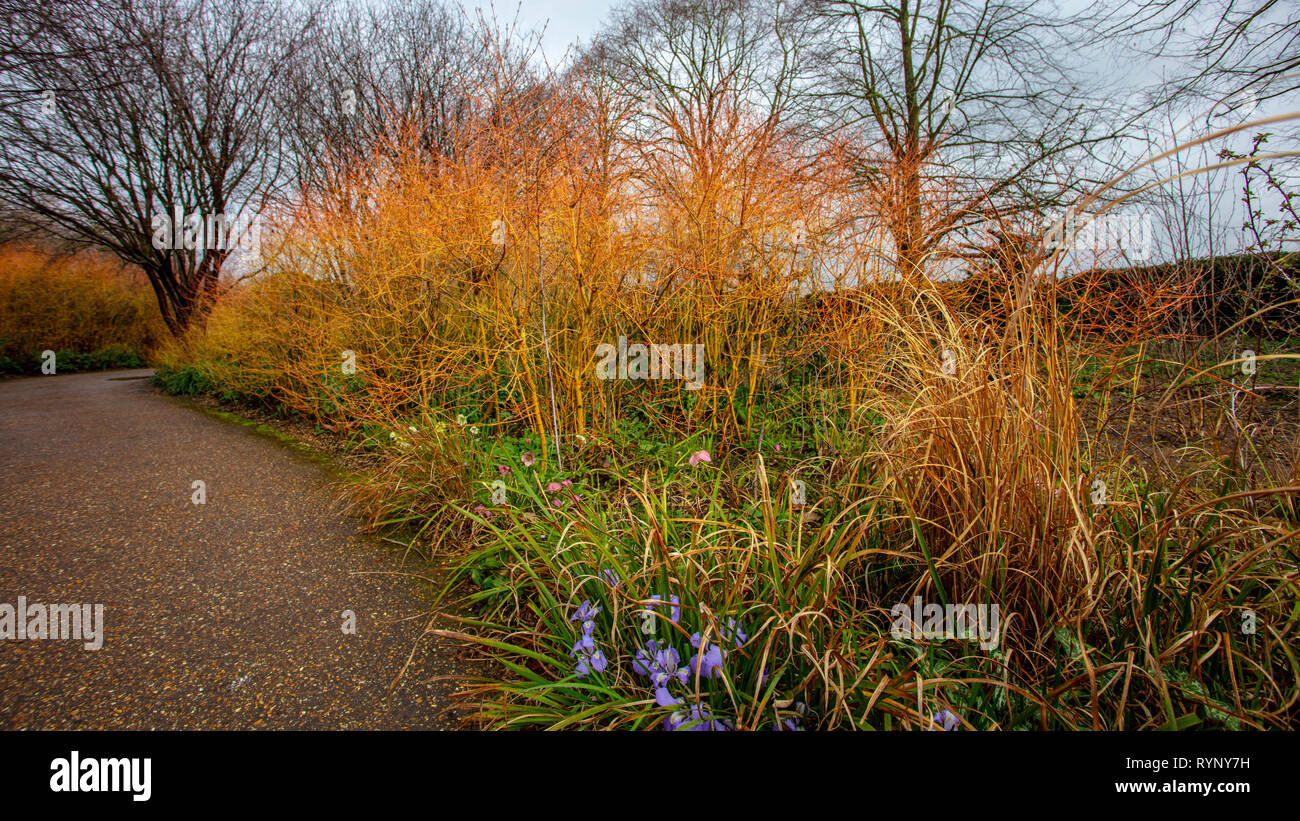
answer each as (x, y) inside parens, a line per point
(566, 21)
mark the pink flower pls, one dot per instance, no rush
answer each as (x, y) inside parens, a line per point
(778, 448)
(528, 458)
(556, 503)
(482, 511)
(699, 456)
(553, 486)
(503, 469)
(566, 482)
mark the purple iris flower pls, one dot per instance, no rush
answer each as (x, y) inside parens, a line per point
(666, 667)
(586, 644)
(704, 719)
(664, 698)
(660, 663)
(645, 659)
(594, 662)
(611, 578)
(586, 612)
(946, 719)
(708, 661)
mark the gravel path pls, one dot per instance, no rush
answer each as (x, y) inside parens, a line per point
(226, 615)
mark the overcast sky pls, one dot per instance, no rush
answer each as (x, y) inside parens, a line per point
(566, 21)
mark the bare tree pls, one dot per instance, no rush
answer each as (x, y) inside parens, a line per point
(153, 111)
(960, 110)
(1237, 45)
(35, 35)
(373, 77)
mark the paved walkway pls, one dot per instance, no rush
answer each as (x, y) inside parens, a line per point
(224, 615)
